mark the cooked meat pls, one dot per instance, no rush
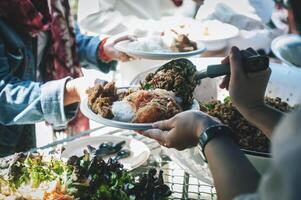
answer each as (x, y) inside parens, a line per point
(153, 105)
(109, 90)
(183, 44)
(101, 98)
(140, 98)
(94, 93)
(150, 113)
(147, 106)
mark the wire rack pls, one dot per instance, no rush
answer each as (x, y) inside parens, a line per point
(183, 185)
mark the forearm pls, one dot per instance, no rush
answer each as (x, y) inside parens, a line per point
(232, 172)
(88, 50)
(264, 117)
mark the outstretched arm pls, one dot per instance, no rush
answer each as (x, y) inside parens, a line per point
(232, 172)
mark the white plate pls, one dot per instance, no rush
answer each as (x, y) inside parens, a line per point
(139, 151)
(117, 124)
(219, 34)
(288, 49)
(123, 46)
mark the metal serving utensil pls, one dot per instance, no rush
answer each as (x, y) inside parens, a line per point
(252, 64)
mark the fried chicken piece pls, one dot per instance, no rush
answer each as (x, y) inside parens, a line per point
(106, 112)
(183, 44)
(140, 98)
(109, 90)
(94, 92)
(101, 98)
(161, 106)
(149, 113)
(102, 106)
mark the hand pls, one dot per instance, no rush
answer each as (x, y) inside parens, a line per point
(112, 52)
(246, 90)
(75, 90)
(182, 131)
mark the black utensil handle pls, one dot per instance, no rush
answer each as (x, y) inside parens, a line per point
(252, 64)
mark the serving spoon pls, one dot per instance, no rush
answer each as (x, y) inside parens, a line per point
(252, 64)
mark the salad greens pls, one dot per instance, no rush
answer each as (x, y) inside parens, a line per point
(85, 177)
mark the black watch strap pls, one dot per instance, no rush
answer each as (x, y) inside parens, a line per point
(213, 132)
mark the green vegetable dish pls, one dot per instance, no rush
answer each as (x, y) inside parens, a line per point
(87, 177)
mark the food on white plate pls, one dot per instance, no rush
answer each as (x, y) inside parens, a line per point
(38, 177)
(150, 44)
(162, 94)
(183, 44)
(132, 105)
(168, 42)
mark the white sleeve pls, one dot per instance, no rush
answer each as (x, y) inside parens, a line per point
(100, 17)
(283, 178)
(282, 181)
(228, 11)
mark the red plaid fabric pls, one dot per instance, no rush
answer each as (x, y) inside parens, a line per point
(25, 16)
(33, 16)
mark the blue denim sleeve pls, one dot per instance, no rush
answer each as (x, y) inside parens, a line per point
(87, 48)
(27, 102)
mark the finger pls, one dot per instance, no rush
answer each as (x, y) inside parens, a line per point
(155, 134)
(252, 51)
(122, 38)
(265, 73)
(235, 63)
(226, 60)
(123, 57)
(165, 124)
(225, 82)
(246, 54)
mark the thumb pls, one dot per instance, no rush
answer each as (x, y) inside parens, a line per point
(164, 124)
(236, 63)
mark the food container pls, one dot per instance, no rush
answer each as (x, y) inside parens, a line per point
(288, 49)
(284, 83)
(214, 34)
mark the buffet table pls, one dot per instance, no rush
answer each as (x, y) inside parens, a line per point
(182, 184)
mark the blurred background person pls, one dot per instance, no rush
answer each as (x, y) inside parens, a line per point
(39, 57)
(252, 17)
(115, 16)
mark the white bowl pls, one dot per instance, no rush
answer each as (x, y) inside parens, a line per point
(214, 34)
(288, 49)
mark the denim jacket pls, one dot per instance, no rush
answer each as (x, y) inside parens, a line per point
(23, 99)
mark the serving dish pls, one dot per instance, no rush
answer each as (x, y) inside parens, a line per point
(288, 49)
(214, 34)
(139, 152)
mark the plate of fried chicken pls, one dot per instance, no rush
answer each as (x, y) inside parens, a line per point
(161, 95)
(130, 108)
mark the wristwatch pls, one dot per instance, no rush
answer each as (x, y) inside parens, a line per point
(213, 132)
